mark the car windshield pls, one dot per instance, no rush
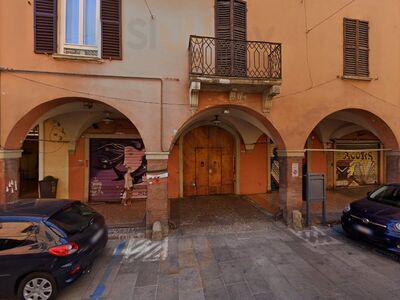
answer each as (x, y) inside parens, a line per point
(387, 194)
(74, 218)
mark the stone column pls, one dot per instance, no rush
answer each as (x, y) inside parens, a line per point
(290, 183)
(157, 203)
(9, 175)
(393, 167)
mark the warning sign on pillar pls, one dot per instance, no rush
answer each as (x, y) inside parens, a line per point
(157, 178)
(295, 169)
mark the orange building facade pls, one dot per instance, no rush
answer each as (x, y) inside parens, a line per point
(201, 97)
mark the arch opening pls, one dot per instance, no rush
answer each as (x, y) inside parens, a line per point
(350, 148)
(248, 137)
(89, 146)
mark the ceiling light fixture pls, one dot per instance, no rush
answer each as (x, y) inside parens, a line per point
(107, 119)
(88, 105)
(217, 121)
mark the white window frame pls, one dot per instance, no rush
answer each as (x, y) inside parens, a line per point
(80, 48)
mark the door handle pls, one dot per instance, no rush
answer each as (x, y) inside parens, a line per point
(210, 171)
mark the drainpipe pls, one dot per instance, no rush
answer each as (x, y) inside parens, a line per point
(161, 80)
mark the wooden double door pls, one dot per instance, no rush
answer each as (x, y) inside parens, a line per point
(209, 162)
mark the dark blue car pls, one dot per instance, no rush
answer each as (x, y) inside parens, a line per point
(376, 218)
(46, 245)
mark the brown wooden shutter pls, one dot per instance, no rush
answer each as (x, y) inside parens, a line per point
(363, 49)
(223, 19)
(356, 48)
(231, 34)
(111, 38)
(239, 30)
(223, 33)
(239, 33)
(45, 26)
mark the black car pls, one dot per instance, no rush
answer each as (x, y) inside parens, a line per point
(46, 244)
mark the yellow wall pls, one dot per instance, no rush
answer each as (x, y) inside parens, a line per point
(55, 162)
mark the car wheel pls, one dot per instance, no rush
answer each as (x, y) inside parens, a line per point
(37, 286)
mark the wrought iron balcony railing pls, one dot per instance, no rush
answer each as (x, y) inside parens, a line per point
(234, 58)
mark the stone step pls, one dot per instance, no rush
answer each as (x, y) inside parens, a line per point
(126, 232)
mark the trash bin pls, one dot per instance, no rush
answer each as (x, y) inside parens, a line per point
(48, 187)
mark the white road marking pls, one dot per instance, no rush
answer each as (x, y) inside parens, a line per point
(315, 237)
(146, 250)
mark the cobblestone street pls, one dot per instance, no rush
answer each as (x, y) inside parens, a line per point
(250, 257)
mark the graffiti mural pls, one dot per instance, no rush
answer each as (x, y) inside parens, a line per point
(356, 168)
(109, 161)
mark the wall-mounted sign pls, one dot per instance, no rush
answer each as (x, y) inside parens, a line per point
(295, 169)
(356, 168)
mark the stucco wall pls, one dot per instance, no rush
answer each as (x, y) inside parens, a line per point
(77, 165)
(312, 61)
(317, 161)
(311, 34)
(55, 152)
(253, 169)
(173, 173)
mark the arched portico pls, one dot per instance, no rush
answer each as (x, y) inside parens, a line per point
(14, 131)
(351, 127)
(255, 139)
(82, 124)
(355, 149)
(244, 115)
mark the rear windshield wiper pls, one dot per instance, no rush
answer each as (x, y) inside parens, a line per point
(90, 222)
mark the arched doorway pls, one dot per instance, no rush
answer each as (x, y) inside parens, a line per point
(209, 166)
(223, 154)
(29, 165)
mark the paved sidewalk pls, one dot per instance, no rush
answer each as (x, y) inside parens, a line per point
(256, 259)
(335, 200)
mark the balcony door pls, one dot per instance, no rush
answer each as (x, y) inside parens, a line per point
(231, 34)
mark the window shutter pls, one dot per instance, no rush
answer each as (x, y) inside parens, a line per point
(45, 26)
(223, 19)
(223, 49)
(239, 33)
(363, 49)
(111, 29)
(239, 20)
(231, 24)
(356, 48)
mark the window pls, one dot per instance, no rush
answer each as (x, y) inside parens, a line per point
(387, 195)
(356, 48)
(17, 234)
(79, 28)
(74, 218)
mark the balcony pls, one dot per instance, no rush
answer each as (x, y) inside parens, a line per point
(232, 58)
(233, 65)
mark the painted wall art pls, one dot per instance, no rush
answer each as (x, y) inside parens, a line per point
(109, 162)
